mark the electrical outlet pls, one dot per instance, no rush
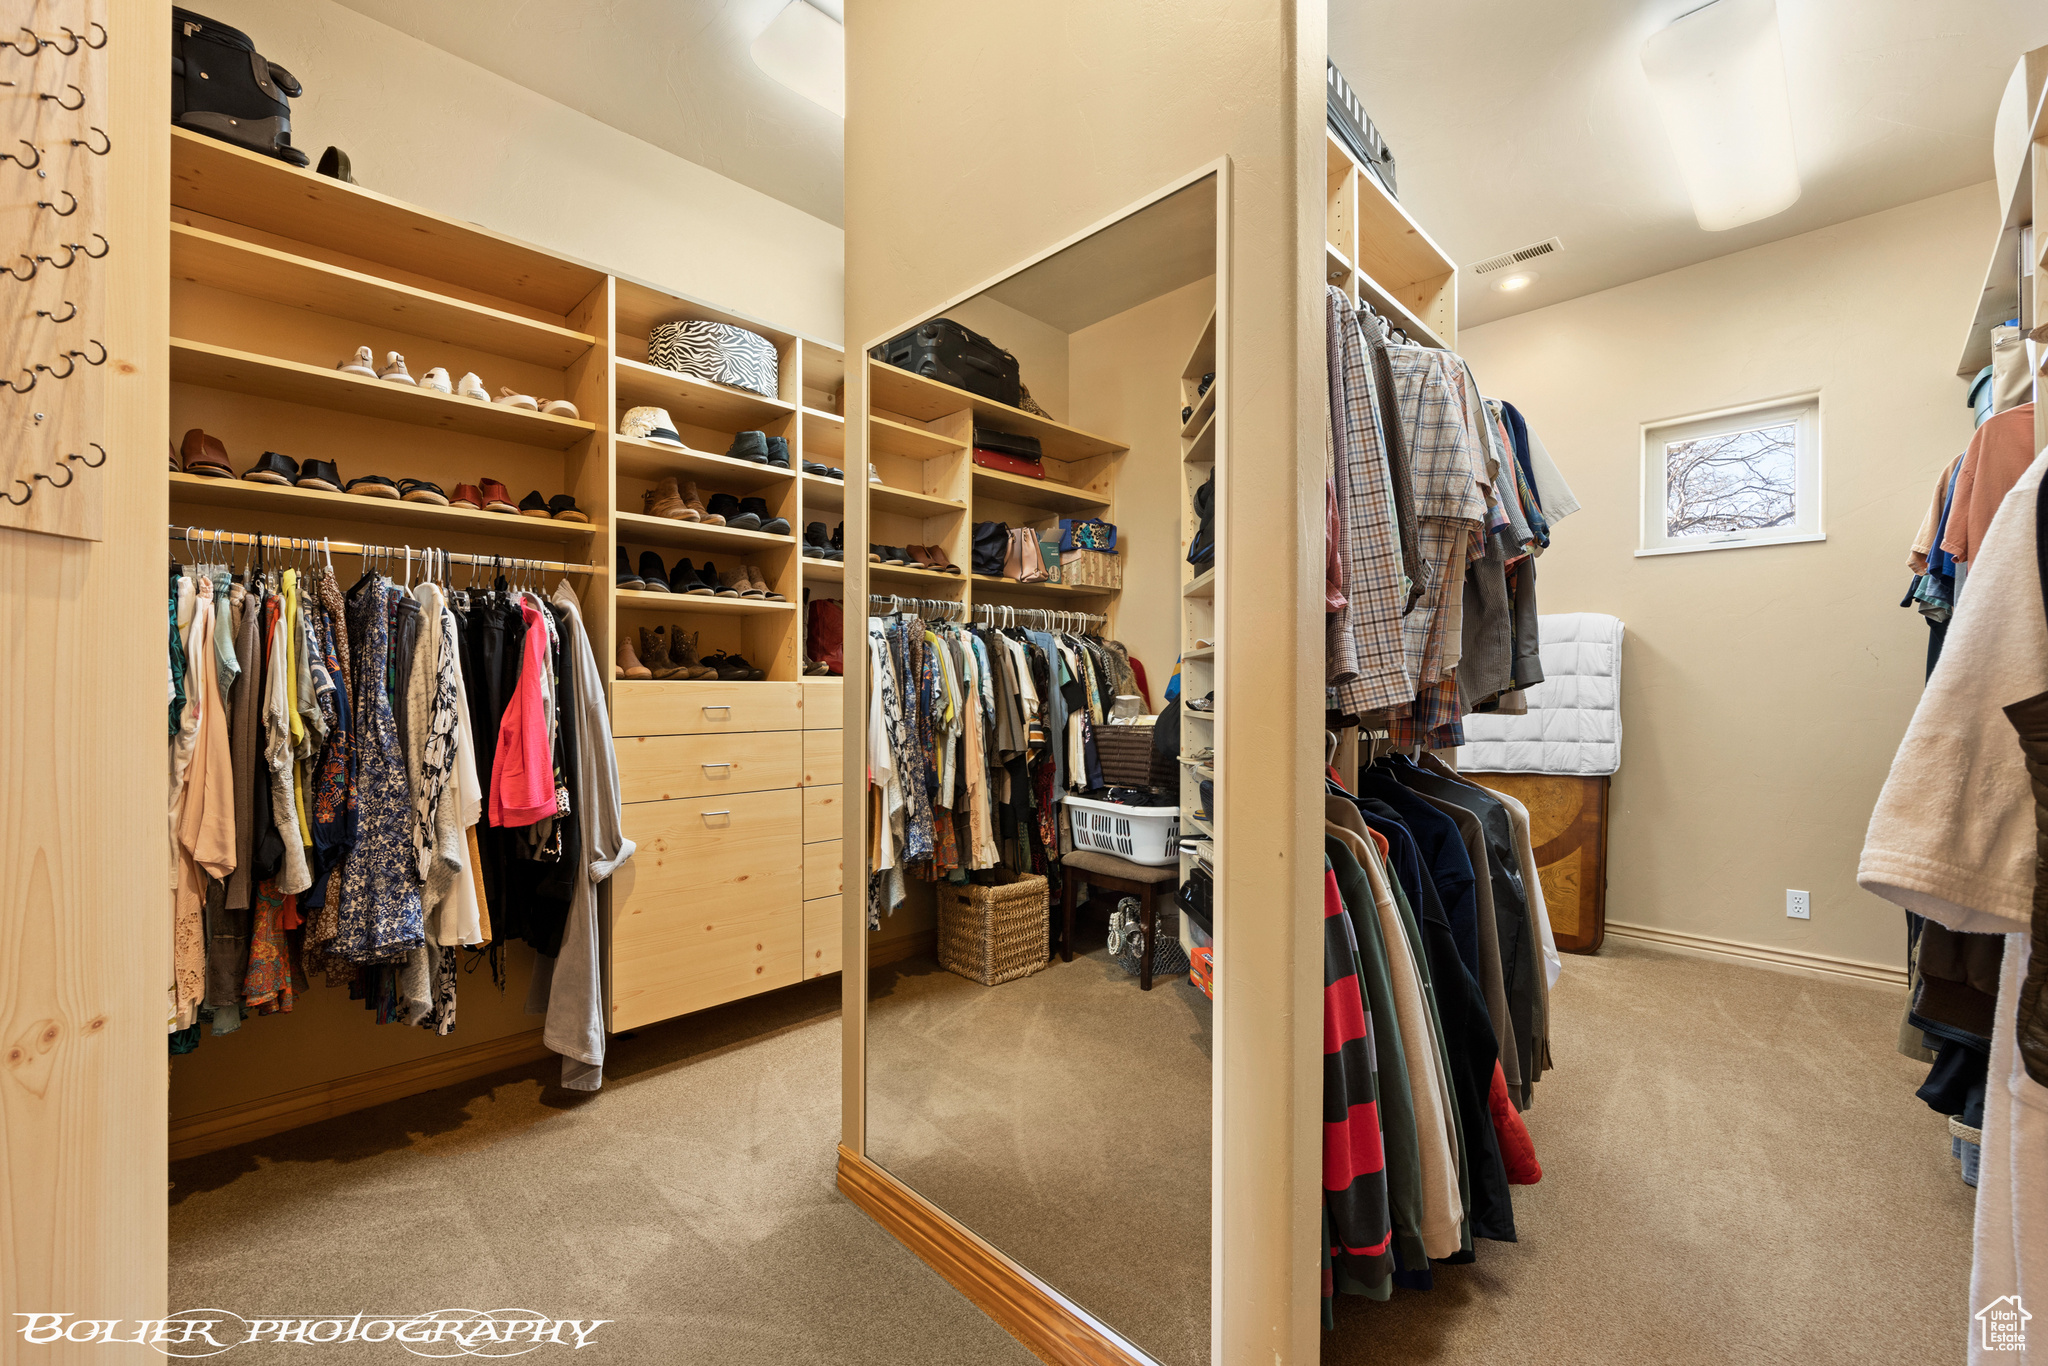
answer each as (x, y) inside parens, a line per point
(1797, 905)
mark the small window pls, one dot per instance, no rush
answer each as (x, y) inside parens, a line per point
(1748, 476)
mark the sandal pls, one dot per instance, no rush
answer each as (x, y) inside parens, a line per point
(560, 407)
(420, 491)
(507, 398)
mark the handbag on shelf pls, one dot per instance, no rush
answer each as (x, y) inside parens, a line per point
(1025, 561)
(1086, 533)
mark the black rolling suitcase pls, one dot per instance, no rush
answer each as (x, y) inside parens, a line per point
(951, 354)
(222, 87)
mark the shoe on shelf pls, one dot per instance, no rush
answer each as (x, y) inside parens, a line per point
(761, 585)
(533, 505)
(1206, 702)
(823, 471)
(334, 165)
(653, 572)
(682, 652)
(437, 380)
(778, 451)
(654, 652)
(727, 508)
(815, 544)
(562, 508)
(420, 491)
(740, 582)
(469, 386)
(663, 500)
(919, 558)
(734, 669)
(838, 541)
(466, 496)
(873, 478)
(273, 469)
(683, 578)
(624, 577)
(1202, 755)
(695, 501)
(361, 363)
(629, 662)
(718, 583)
(813, 667)
(746, 671)
(205, 456)
(939, 560)
(651, 424)
(749, 446)
(375, 486)
(512, 398)
(757, 508)
(560, 407)
(1201, 644)
(834, 472)
(394, 370)
(321, 475)
(497, 498)
(707, 584)
(893, 555)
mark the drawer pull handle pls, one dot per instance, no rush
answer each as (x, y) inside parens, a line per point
(709, 710)
(727, 767)
(727, 813)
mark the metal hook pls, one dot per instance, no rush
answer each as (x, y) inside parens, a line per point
(92, 341)
(53, 43)
(86, 143)
(51, 315)
(58, 100)
(90, 464)
(23, 388)
(105, 247)
(69, 475)
(95, 24)
(30, 487)
(33, 268)
(52, 207)
(70, 256)
(35, 44)
(25, 165)
(69, 366)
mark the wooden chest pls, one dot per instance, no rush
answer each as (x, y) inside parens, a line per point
(1568, 824)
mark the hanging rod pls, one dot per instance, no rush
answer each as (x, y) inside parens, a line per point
(360, 550)
(945, 607)
(1045, 618)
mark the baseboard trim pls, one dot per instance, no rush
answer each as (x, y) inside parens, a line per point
(1050, 1326)
(1760, 955)
(224, 1128)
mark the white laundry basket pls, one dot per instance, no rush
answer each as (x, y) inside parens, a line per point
(1142, 834)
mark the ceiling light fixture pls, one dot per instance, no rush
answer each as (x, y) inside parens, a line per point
(805, 49)
(1718, 75)
(1521, 279)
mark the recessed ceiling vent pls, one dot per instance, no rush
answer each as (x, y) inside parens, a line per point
(1520, 256)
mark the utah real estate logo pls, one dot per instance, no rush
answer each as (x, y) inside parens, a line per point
(2004, 1324)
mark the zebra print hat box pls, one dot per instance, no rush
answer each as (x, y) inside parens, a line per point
(718, 352)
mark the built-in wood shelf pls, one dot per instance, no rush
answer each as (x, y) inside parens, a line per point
(639, 600)
(1203, 585)
(695, 402)
(651, 460)
(192, 490)
(886, 437)
(1017, 489)
(898, 391)
(635, 528)
(997, 583)
(1202, 451)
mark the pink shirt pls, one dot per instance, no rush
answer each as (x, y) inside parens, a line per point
(523, 776)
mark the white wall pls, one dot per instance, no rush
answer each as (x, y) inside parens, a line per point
(1763, 690)
(427, 127)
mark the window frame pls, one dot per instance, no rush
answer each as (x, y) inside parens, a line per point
(1804, 410)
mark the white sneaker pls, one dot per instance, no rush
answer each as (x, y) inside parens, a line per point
(359, 365)
(437, 380)
(394, 369)
(510, 399)
(469, 386)
(873, 478)
(560, 407)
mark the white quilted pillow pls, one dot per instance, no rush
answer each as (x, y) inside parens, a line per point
(1574, 720)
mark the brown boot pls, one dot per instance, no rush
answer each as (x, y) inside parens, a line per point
(629, 665)
(663, 500)
(695, 501)
(766, 588)
(654, 649)
(683, 654)
(739, 582)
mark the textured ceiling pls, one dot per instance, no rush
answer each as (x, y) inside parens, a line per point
(1512, 122)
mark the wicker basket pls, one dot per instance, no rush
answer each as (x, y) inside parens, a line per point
(993, 935)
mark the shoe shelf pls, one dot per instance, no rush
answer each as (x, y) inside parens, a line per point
(823, 491)
(1202, 450)
(996, 583)
(1205, 410)
(261, 272)
(695, 402)
(1205, 655)
(909, 502)
(900, 392)
(893, 573)
(640, 600)
(651, 460)
(887, 437)
(244, 372)
(636, 528)
(1374, 249)
(191, 490)
(826, 571)
(824, 436)
(1203, 585)
(210, 177)
(1048, 494)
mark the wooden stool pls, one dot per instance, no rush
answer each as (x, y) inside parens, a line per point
(1110, 873)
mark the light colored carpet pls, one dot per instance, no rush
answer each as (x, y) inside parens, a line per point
(1735, 1171)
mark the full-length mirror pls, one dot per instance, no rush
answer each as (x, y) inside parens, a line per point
(1042, 645)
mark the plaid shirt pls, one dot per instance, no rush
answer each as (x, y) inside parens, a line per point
(1368, 657)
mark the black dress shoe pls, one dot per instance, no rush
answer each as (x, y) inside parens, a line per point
(750, 446)
(321, 475)
(821, 470)
(625, 577)
(815, 544)
(273, 469)
(764, 520)
(654, 572)
(728, 507)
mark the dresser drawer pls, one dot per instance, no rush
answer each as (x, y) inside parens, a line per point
(824, 813)
(716, 852)
(673, 708)
(822, 873)
(824, 755)
(824, 703)
(656, 768)
(821, 935)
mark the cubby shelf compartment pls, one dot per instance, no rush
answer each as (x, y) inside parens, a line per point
(242, 372)
(997, 583)
(191, 490)
(890, 573)
(1203, 585)
(825, 492)
(695, 402)
(1205, 655)
(636, 528)
(260, 272)
(826, 571)
(638, 600)
(824, 435)
(1203, 450)
(210, 177)
(1037, 493)
(651, 460)
(898, 391)
(912, 443)
(1205, 408)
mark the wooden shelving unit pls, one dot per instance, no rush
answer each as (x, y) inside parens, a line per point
(637, 600)
(637, 528)
(1375, 250)
(239, 495)
(696, 402)
(2005, 292)
(1203, 386)
(651, 460)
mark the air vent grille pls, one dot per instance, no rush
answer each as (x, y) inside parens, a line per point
(1519, 256)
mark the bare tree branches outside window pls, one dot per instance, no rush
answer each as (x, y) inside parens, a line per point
(1734, 481)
